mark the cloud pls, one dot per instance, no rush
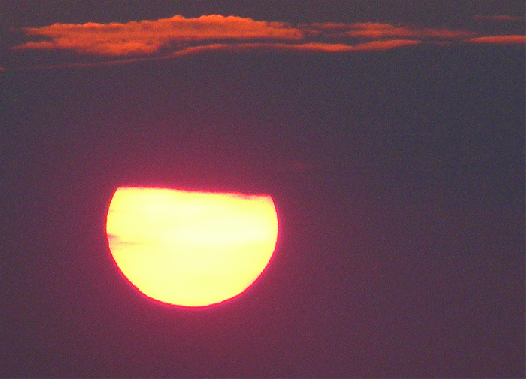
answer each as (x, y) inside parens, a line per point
(180, 33)
(372, 30)
(243, 47)
(501, 40)
(375, 30)
(177, 36)
(147, 37)
(501, 18)
(332, 47)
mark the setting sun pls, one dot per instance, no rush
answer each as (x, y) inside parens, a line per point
(190, 248)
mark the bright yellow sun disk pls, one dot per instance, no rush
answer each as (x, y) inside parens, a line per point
(190, 248)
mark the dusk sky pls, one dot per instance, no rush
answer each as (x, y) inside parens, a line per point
(390, 135)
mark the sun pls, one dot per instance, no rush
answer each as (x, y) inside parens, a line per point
(190, 248)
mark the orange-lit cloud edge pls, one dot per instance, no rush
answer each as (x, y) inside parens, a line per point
(177, 36)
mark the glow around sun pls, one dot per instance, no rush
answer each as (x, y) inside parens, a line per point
(190, 248)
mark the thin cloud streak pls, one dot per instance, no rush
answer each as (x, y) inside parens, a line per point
(244, 47)
(502, 18)
(373, 30)
(501, 40)
(118, 43)
(387, 30)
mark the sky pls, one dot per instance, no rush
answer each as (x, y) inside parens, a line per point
(390, 135)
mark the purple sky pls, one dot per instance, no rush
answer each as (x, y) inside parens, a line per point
(390, 135)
